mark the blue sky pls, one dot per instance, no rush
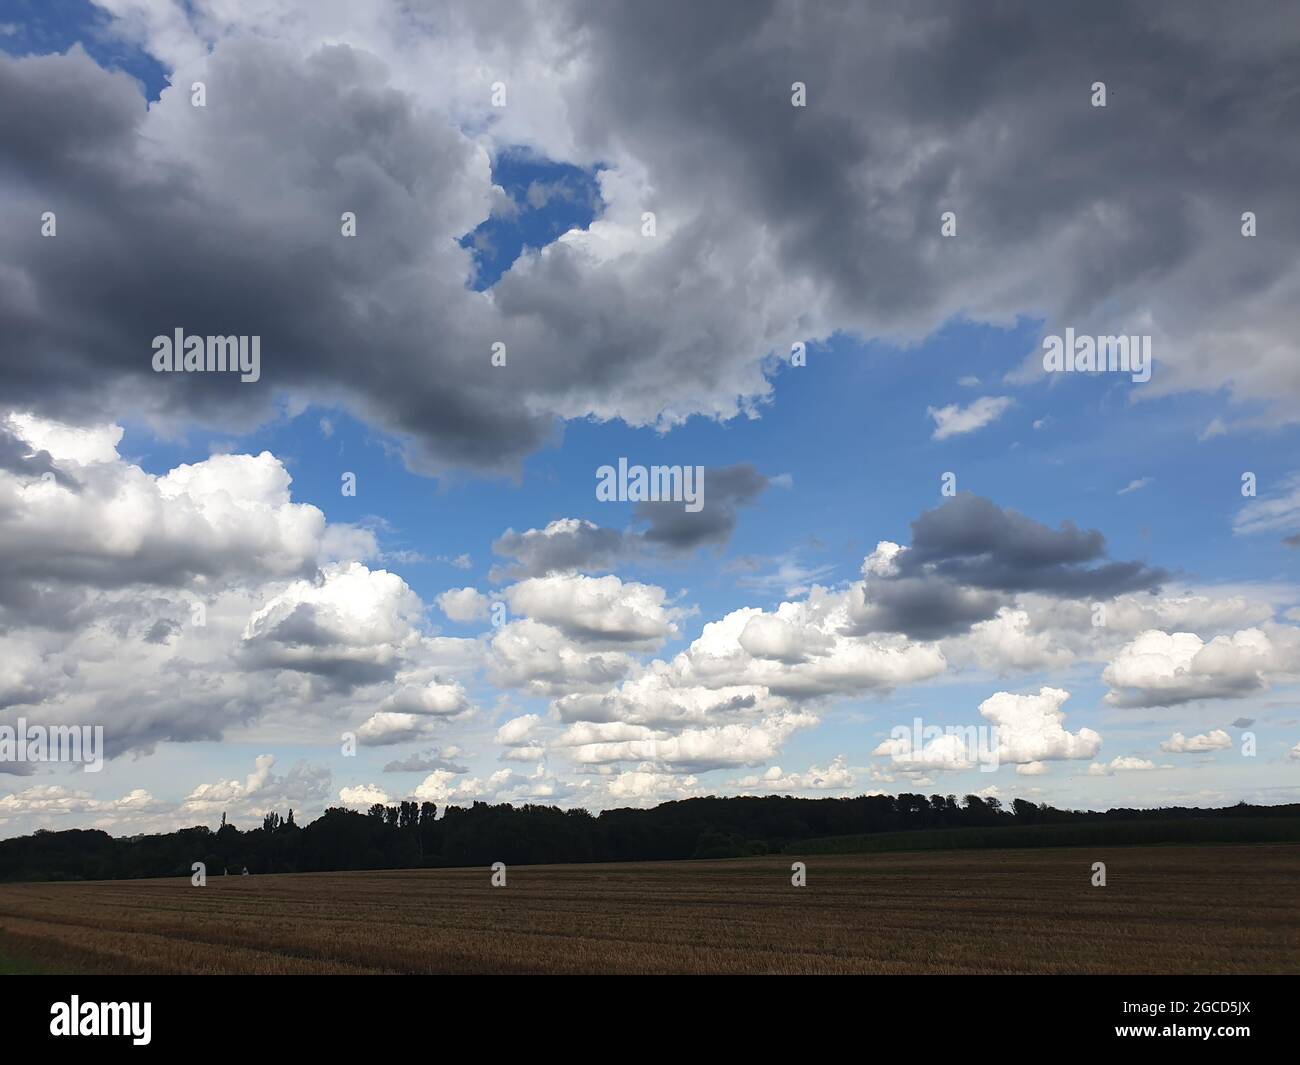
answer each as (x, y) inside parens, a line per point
(846, 448)
(33, 27)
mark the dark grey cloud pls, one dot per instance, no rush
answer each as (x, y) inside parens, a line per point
(969, 557)
(974, 542)
(577, 545)
(563, 546)
(26, 602)
(924, 608)
(220, 228)
(17, 456)
(225, 221)
(917, 108)
(676, 529)
(194, 710)
(424, 762)
(162, 630)
(775, 222)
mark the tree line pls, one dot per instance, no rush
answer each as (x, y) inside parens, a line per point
(413, 835)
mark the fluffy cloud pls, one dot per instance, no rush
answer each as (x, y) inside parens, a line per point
(351, 626)
(1166, 669)
(463, 604)
(443, 787)
(46, 800)
(643, 786)
(656, 699)
(810, 652)
(180, 605)
(290, 633)
(699, 749)
(385, 728)
(579, 632)
(1215, 740)
(1028, 730)
(1013, 640)
(438, 698)
(542, 661)
(598, 611)
(944, 752)
(1122, 764)
(1031, 727)
(835, 777)
(750, 668)
(778, 639)
(261, 790)
(954, 419)
(516, 731)
(105, 523)
(364, 796)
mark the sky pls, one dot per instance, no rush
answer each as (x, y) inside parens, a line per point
(488, 249)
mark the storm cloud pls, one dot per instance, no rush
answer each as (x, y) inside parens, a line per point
(774, 222)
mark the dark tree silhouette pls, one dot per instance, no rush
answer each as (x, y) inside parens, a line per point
(411, 835)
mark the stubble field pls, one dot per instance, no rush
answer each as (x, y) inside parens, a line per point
(1183, 909)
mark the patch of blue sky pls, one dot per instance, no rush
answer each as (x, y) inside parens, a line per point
(546, 200)
(41, 27)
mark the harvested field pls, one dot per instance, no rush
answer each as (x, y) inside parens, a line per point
(1178, 909)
